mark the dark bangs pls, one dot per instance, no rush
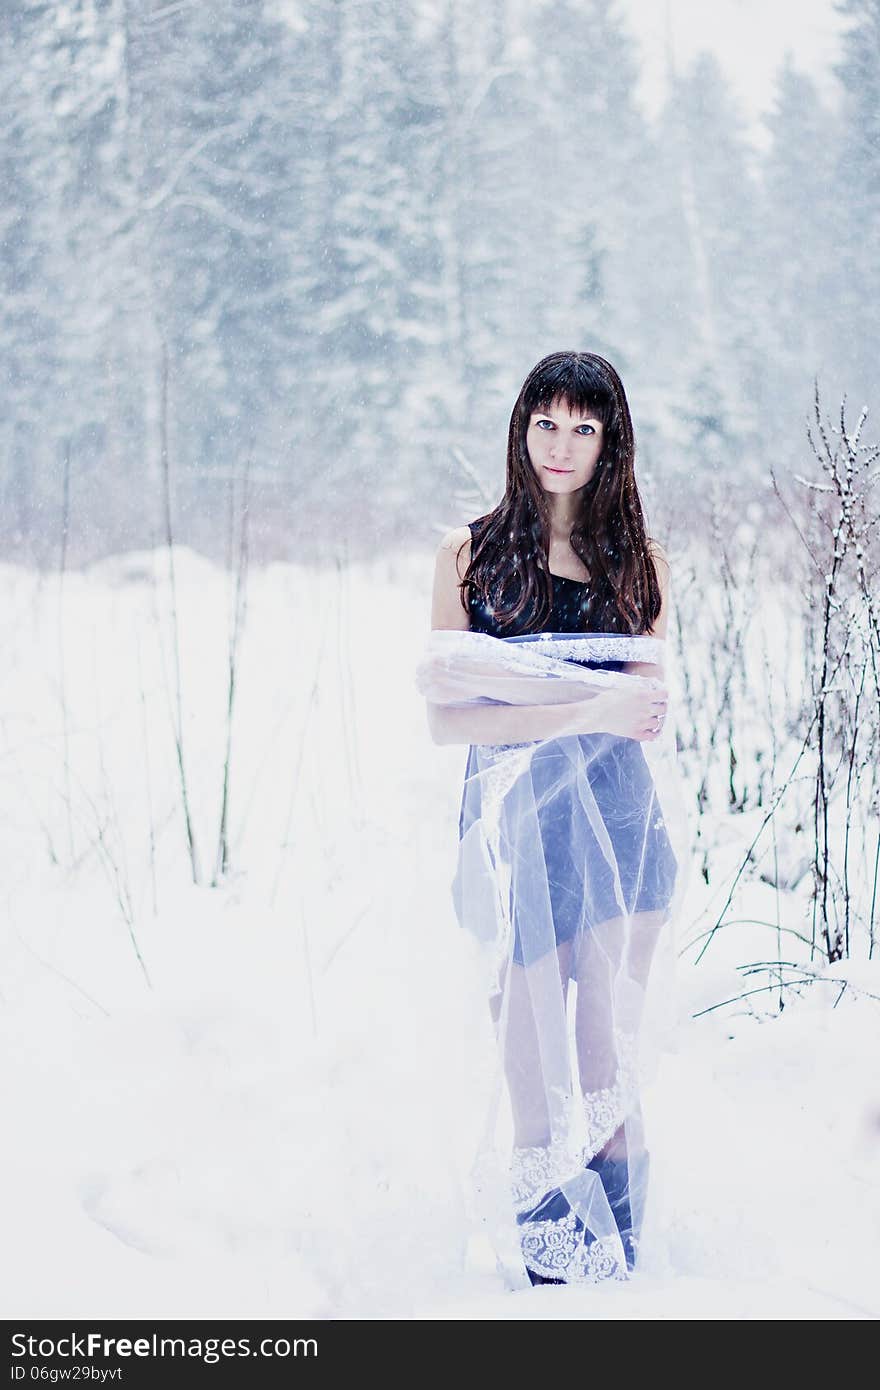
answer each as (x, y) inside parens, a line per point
(574, 381)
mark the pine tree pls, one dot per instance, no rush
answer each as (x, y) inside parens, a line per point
(855, 198)
(795, 236)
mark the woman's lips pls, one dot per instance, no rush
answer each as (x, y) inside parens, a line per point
(558, 470)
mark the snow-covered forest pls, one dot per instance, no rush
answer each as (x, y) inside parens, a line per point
(328, 241)
(273, 273)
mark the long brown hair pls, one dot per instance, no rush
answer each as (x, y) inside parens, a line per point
(509, 567)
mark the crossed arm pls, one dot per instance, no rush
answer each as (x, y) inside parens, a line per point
(512, 723)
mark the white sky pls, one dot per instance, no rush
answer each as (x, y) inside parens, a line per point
(749, 38)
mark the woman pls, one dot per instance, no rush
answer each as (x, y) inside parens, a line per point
(549, 616)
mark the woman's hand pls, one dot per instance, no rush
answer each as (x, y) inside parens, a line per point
(638, 712)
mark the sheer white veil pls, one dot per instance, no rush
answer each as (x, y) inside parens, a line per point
(572, 863)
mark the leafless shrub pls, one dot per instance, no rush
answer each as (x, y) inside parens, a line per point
(175, 627)
(813, 759)
(843, 641)
(237, 564)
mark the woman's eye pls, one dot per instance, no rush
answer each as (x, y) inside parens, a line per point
(552, 426)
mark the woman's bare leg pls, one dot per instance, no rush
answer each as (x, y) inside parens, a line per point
(613, 964)
(522, 1054)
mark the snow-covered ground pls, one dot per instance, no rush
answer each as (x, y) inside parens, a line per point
(254, 1100)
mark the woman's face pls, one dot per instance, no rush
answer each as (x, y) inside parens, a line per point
(564, 448)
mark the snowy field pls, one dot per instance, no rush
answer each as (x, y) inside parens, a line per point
(256, 1099)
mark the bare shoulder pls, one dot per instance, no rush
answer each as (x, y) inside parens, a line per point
(455, 541)
(661, 559)
(453, 556)
(661, 564)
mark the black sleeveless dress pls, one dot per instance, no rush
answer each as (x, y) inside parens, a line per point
(566, 615)
(582, 892)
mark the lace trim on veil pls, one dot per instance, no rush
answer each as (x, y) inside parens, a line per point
(596, 647)
(558, 1249)
(536, 650)
(535, 1170)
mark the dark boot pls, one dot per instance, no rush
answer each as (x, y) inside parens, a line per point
(554, 1207)
(540, 1279)
(551, 1206)
(618, 1175)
